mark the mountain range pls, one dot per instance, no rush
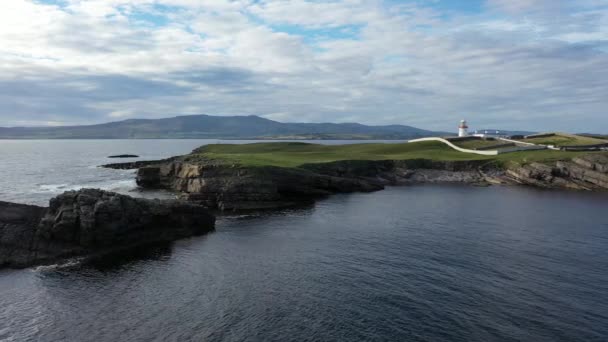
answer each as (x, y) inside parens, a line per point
(216, 127)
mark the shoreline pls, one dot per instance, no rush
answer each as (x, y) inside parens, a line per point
(229, 186)
(91, 222)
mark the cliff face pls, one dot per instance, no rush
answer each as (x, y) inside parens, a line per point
(18, 224)
(589, 172)
(89, 221)
(236, 188)
(232, 187)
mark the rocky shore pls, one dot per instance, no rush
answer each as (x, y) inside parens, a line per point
(233, 187)
(589, 172)
(92, 222)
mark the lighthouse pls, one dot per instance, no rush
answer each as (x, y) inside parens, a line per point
(463, 129)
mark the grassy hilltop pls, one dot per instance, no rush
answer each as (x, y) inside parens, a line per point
(564, 139)
(294, 154)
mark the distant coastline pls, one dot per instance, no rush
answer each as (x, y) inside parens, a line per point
(219, 127)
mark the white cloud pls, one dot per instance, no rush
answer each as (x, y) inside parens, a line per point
(516, 64)
(315, 14)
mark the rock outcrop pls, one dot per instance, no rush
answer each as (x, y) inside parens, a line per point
(18, 226)
(90, 222)
(588, 172)
(233, 187)
(137, 164)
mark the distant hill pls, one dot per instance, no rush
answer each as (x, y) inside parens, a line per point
(597, 136)
(216, 127)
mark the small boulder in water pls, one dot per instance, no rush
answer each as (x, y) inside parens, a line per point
(124, 156)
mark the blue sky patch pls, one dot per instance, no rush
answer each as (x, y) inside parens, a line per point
(315, 35)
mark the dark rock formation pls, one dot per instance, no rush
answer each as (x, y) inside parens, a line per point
(232, 187)
(221, 185)
(124, 156)
(18, 225)
(89, 222)
(399, 172)
(237, 188)
(136, 164)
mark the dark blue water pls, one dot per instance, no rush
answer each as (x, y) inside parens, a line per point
(420, 263)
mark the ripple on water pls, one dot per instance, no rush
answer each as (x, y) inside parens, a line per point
(435, 263)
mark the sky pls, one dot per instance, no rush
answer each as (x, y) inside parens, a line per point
(539, 65)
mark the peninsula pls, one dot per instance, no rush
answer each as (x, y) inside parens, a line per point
(273, 175)
(231, 177)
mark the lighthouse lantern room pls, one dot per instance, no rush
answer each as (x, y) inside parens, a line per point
(463, 129)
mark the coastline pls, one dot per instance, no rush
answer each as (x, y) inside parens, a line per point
(261, 176)
(229, 185)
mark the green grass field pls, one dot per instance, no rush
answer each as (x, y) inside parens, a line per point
(477, 143)
(294, 154)
(563, 139)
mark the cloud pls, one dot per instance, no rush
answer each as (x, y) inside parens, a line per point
(517, 64)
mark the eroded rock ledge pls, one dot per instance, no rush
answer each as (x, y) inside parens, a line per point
(90, 222)
(234, 187)
(589, 172)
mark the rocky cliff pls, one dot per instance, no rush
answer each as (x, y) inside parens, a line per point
(233, 187)
(89, 222)
(225, 186)
(588, 172)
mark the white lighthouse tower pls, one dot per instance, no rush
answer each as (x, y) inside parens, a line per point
(463, 129)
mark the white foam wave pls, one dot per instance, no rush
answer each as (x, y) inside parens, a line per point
(122, 185)
(65, 264)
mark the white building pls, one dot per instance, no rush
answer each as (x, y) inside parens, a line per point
(463, 129)
(490, 133)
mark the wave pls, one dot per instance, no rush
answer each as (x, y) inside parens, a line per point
(53, 187)
(66, 264)
(118, 186)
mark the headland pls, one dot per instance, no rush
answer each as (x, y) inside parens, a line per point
(274, 175)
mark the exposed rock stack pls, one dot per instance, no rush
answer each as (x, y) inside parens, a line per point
(89, 221)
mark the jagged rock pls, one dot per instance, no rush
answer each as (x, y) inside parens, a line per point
(574, 170)
(136, 164)
(232, 187)
(90, 221)
(148, 176)
(589, 172)
(534, 173)
(236, 188)
(18, 224)
(595, 162)
(217, 184)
